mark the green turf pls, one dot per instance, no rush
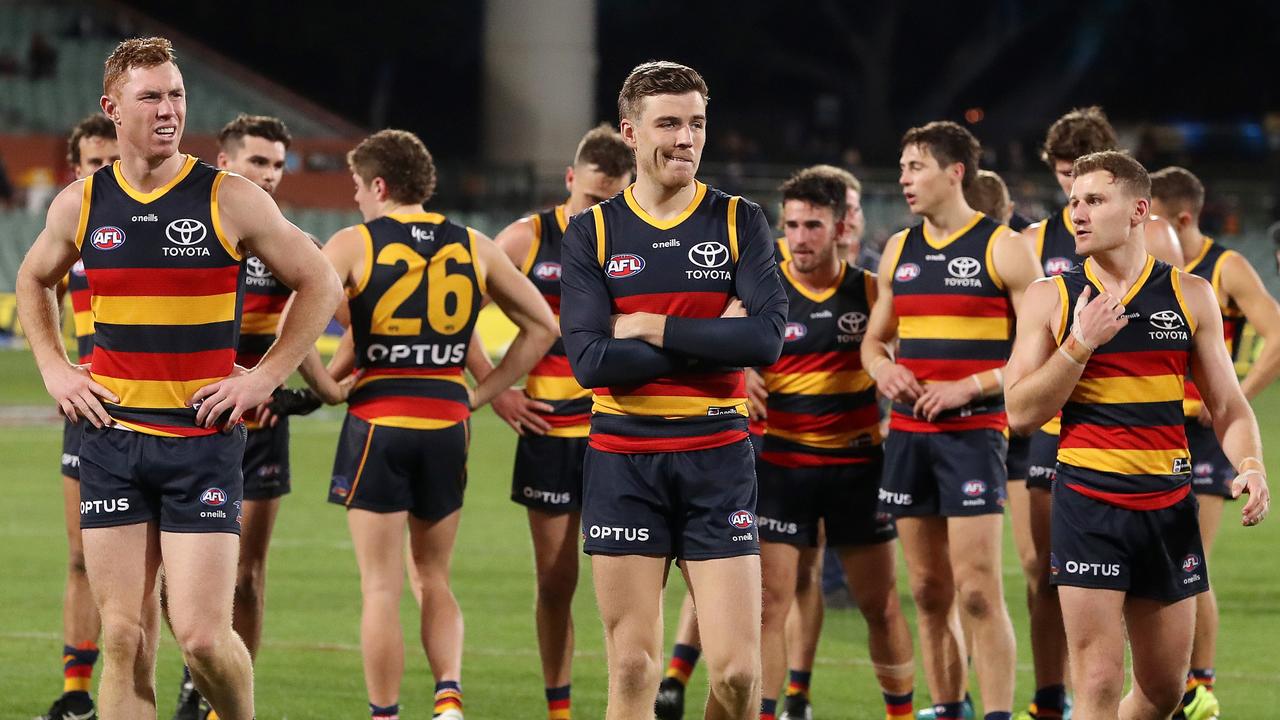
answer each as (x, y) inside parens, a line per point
(309, 666)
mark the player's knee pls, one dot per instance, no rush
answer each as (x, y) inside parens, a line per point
(199, 645)
(736, 681)
(932, 598)
(977, 603)
(879, 609)
(76, 566)
(1103, 682)
(122, 638)
(634, 670)
(251, 583)
(777, 603)
(556, 586)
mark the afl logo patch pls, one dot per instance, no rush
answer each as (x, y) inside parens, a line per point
(1056, 266)
(973, 488)
(624, 266)
(907, 272)
(107, 238)
(794, 331)
(741, 519)
(1190, 563)
(78, 268)
(550, 271)
(213, 497)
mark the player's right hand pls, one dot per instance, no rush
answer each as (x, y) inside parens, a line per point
(757, 394)
(734, 309)
(77, 393)
(1254, 483)
(1098, 320)
(898, 383)
(521, 412)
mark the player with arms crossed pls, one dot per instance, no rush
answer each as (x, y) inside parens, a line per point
(552, 414)
(669, 472)
(415, 284)
(1108, 343)
(162, 236)
(1178, 196)
(948, 289)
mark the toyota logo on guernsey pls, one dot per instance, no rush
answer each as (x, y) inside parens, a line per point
(213, 497)
(852, 323)
(186, 234)
(255, 269)
(107, 238)
(907, 272)
(550, 271)
(794, 331)
(964, 272)
(624, 266)
(708, 255)
(1169, 324)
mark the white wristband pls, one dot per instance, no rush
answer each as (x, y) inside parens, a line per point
(1075, 333)
(1067, 355)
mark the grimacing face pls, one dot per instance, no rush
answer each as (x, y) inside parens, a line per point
(668, 137)
(149, 107)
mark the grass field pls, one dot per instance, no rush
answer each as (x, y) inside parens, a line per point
(309, 666)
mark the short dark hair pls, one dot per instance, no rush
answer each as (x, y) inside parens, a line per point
(657, 77)
(818, 185)
(96, 125)
(261, 126)
(845, 176)
(1178, 185)
(135, 52)
(401, 160)
(603, 147)
(949, 143)
(1079, 132)
(988, 194)
(1126, 172)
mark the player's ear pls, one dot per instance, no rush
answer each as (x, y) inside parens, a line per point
(110, 109)
(1141, 211)
(568, 178)
(379, 188)
(223, 160)
(628, 130)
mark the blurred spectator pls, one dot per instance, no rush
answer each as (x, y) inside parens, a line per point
(42, 58)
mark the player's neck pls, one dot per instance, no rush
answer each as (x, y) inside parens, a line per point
(949, 217)
(819, 279)
(1192, 242)
(661, 202)
(574, 207)
(145, 174)
(394, 208)
(1120, 267)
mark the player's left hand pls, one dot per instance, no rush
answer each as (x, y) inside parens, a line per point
(231, 397)
(757, 394)
(521, 411)
(648, 327)
(939, 397)
(1254, 483)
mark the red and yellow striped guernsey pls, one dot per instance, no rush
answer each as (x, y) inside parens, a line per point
(412, 315)
(77, 286)
(1122, 438)
(822, 404)
(954, 319)
(681, 267)
(164, 294)
(551, 381)
(1208, 265)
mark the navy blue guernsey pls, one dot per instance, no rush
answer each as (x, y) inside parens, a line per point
(1056, 244)
(412, 315)
(690, 394)
(1122, 438)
